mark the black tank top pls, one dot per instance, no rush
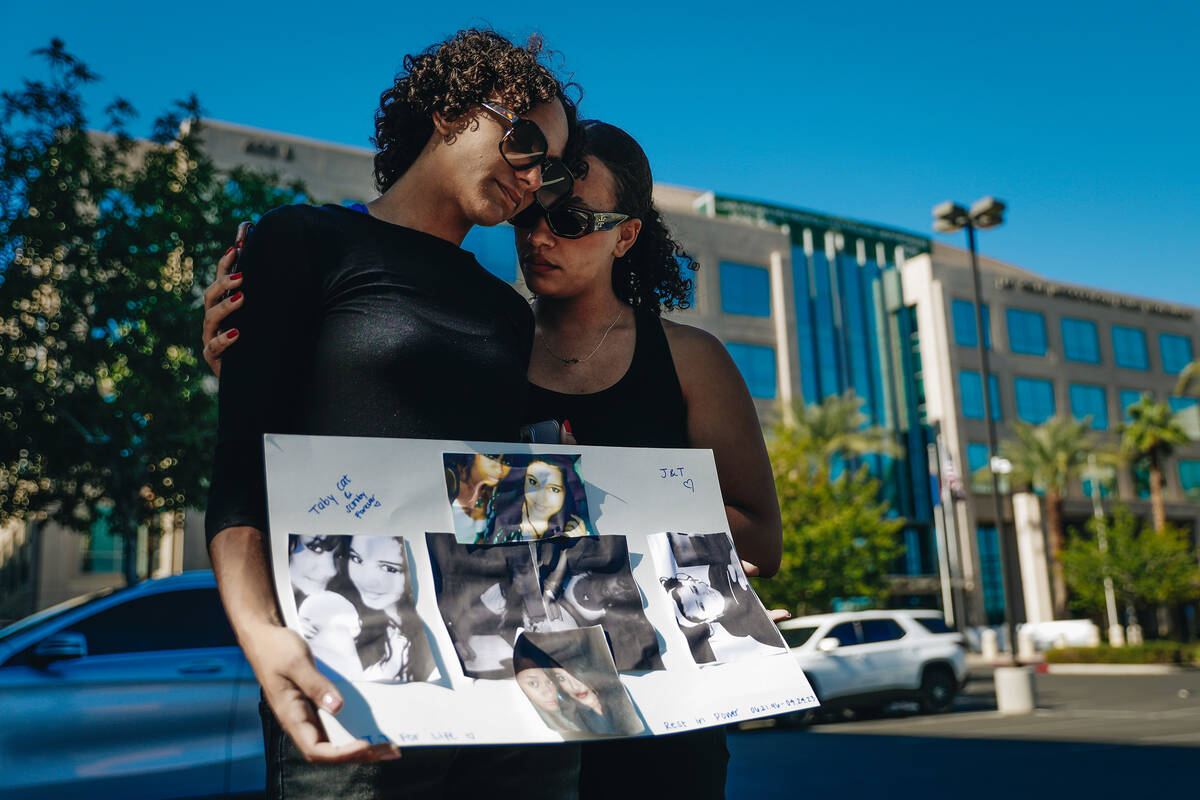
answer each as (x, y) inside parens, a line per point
(645, 408)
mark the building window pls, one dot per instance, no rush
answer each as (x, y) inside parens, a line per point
(1108, 482)
(1129, 347)
(977, 461)
(1176, 352)
(757, 365)
(745, 290)
(1128, 397)
(970, 385)
(992, 573)
(1187, 414)
(495, 250)
(1089, 401)
(1080, 340)
(963, 312)
(1141, 478)
(1035, 399)
(1189, 479)
(1026, 332)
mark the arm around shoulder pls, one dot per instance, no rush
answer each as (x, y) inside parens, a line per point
(722, 417)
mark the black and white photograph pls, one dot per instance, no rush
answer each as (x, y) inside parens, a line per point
(356, 607)
(588, 581)
(503, 498)
(486, 595)
(570, 680)
(717, 611)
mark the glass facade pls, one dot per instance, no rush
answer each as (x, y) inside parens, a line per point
(1026, 332)
(978, 478)
(854, 332)
(1176, 352)
(745, 290)
(1081, 342)
(963, 313)
(757, 365)
(970, 385)
(495, 249)
(1189, 479)
(991, 573)
(1035, 399)
(1129, 348)
(1089, 401)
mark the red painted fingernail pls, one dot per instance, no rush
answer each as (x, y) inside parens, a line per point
(237, 276)
(232, 333)
(233, 298)
(227, 252)
(567, 425)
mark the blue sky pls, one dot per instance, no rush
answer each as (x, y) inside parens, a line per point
(1083, 117)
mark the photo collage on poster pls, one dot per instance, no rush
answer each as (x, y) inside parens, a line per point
(527, 592)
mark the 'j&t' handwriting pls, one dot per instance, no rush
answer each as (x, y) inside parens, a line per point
(677, 472)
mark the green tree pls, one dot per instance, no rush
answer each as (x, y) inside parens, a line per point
(834, 429)
(1151, 435)
(1048, 457)
(1147, 568)
(838, 537)
(103, 405)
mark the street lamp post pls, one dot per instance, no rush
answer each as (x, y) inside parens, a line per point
(949, 217)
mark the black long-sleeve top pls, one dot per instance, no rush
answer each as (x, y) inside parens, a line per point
(356, 327)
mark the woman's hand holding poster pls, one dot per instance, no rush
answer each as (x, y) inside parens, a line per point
(500, 593)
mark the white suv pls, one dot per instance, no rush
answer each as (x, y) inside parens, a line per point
(863, 660)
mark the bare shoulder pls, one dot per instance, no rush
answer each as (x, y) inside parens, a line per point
(696, 352)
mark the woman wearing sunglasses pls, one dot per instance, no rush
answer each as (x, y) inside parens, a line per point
(602, 266)
(373, 322)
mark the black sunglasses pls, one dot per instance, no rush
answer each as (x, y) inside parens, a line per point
(524, 146)
(569, 222)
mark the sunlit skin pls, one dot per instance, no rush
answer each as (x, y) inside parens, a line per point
(544, 489)
(462, 179)
(698, 601)
(376, 568)
(539, 688)
(311, 566)
(576, 689)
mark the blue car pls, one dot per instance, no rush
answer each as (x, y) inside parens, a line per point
(135, 693)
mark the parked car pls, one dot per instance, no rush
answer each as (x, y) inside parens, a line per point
(136, 693)
(863, 660)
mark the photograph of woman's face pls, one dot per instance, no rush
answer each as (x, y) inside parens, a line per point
(311, 564)
(376, 568)
(544, 490)
(698, 601)
(574, 688)
(538, 686)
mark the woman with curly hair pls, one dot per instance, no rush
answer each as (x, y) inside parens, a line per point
(603, 266)
(374, 322)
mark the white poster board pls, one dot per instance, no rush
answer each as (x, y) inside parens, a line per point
(441, 623)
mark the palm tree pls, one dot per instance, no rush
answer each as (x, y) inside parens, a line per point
(835, 428)
(1048, 457)
(1152, 433)
(1189, 381)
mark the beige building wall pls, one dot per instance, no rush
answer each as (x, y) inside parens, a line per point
(933, 281)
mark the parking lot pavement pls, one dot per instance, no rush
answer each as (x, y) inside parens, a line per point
(1127, 736)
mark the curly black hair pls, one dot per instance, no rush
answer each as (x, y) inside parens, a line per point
(452, 76)
(650, 274)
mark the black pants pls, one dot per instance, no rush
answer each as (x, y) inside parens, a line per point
(687, 765)
(529, 772)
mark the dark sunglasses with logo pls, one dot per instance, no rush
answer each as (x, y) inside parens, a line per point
(524, 146)
(569, 222)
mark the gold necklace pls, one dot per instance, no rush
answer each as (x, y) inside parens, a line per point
(569, 361)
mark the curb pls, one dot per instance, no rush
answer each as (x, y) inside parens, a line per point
(1112, 669)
